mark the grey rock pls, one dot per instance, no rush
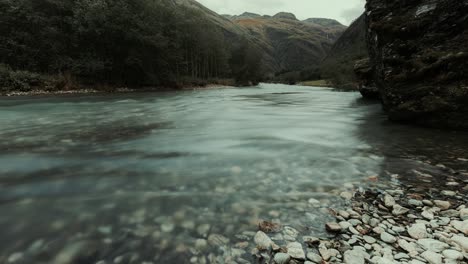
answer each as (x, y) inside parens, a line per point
(444, 205)
(314, 257)
(452, 254)
(418, 231)
(295, 250)
(432, 245)
(333, 227)
(389, 201)
(354, 256)
(432, 258)
(282, 258)
(461, 241)
(263, 241)
(399, 210)
(387, 238)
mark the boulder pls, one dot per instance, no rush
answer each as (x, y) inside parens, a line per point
(420, 55)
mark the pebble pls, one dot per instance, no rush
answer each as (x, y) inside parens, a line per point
(418, 231)
(452, 254)
(387, 238)
(354, 256)
(461, 241)
(282, 258)
(15, 257)
(389, 201)
(263, 241)
(432, 245)
(295, 250)
(444, 205)
(431, 257)
(369, 239)
(399, 210)
(464, 214)
(333, 227)
(314, 257)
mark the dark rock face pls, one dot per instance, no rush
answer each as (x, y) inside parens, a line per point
(365, 74)
(420, 52)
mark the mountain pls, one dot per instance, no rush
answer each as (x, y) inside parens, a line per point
(338, 66)
(290, 44)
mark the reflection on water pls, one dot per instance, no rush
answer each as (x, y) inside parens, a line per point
(145, 177)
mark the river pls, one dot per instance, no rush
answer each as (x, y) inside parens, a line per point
(147, 177)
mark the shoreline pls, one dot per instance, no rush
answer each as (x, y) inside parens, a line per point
(380, 226)
(84, 91)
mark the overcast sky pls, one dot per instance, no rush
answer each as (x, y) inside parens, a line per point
(344, 11)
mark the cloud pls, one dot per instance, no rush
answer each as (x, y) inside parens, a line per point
(349, 15)
(344, 11)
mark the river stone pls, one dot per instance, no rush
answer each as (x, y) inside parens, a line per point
(428, 215)
(464, 214)
(399, 210)
(262, 241)
(201, 244)
(369, 239)
(314, 257)
(407, 246)
(295, 250)
(444, 205)
(387, 238)
(452, 254)
(333, 227)
(418, 231)
(461, 241)
(217, 240)
(282, 258)
(388, 200)
(461, 226)
(431, 257)
(433, 245)
(415, 203)
(355, 256)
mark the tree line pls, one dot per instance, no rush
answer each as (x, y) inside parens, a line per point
(118, 42)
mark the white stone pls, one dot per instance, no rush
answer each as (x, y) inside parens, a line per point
(387, 238)
(433, 245)
(444, 205)
(461, 226)
(369, 239)
(431, 257)
(295, 250)
(354, 256)
(282, 258)
(418, 231)
(399, 210)
(314, 257)
(452, 254)
(263, 241)
(461, 241)
(388, 200)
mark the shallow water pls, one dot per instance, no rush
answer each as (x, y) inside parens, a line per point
(140, 177)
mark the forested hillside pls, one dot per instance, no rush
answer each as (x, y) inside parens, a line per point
(114, 42)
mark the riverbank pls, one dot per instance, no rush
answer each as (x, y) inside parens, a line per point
(38, 92)
(380, 226)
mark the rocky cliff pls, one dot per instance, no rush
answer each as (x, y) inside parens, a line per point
(420, 53)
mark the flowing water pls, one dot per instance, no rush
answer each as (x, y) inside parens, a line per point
(146, 177)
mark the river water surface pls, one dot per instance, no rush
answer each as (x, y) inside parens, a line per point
(150, 177)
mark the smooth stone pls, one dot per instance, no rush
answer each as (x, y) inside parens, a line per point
(387, 238)
(345, 225)
(452, 254)
(433, 245)
(217, 240)
(461, 226)
(427, 202)
(461, 241)
(282, 258)
(167, 227)
(314, 257)
(201, 244)
(415, 203)
(428, 215)
(401, 256)
(448, 193)
(354, 256)
(399, 210)
(324, 253)
(262, 241)
(389, 201)
(464, 214)
(15, 257)
(444, 205)
(432, 258)
(346, 195)
(369, 239)
(295, 250)
(333, 227)
(418, 231)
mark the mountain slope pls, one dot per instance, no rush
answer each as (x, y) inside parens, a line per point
(338, 66)
(290, 44)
